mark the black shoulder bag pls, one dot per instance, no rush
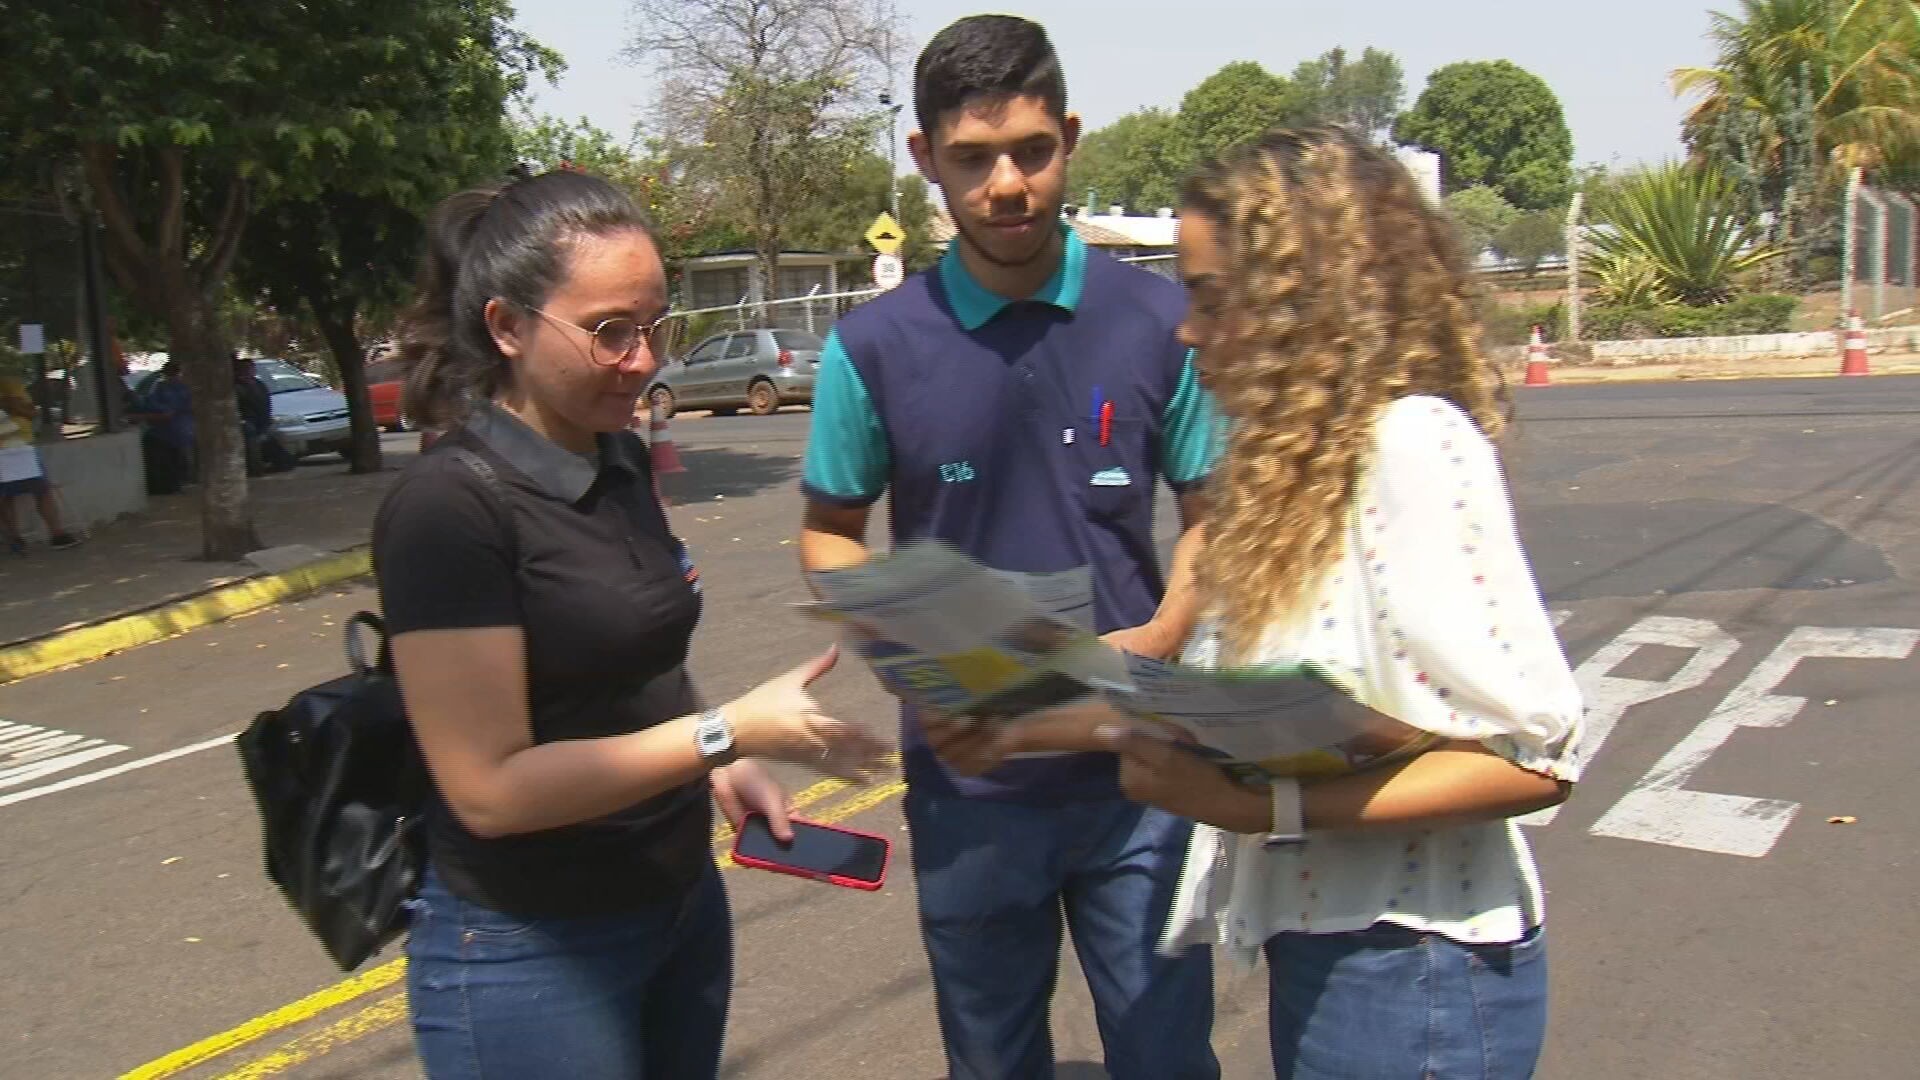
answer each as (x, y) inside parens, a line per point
(342, 791)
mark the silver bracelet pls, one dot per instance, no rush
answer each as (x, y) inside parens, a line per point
(1288, 823)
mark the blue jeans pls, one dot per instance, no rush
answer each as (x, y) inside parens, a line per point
(1389, 1003)
(996, 880)
(636, 996)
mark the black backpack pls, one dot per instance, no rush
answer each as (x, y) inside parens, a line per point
(342, 790)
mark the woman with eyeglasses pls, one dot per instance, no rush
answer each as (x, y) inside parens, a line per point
(571, 922)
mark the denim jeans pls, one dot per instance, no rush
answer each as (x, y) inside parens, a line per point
(996, 881)
(637, 996)
(1389, 1003)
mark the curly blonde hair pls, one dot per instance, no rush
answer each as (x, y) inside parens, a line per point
(1345, 291)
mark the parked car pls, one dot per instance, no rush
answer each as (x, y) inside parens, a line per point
(384, 384)
(756, 370)
(309, 417)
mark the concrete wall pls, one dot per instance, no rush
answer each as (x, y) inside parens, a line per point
(1810, 343)
(1896, 339)
(100, 478)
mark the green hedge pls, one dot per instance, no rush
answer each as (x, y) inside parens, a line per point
(1506, 324)
(1762, 313)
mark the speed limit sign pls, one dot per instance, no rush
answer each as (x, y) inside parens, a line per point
(888, 271)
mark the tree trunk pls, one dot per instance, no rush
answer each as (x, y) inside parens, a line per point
(226, 519)
(337, 327)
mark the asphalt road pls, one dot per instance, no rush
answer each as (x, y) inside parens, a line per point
(1736, 565)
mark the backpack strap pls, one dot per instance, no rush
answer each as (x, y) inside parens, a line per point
(356, 651)
(484, 469)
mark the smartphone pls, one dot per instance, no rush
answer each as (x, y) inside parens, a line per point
(853, 860)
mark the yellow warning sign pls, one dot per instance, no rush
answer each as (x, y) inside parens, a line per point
(886, 235)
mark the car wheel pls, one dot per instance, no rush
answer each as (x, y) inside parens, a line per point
(763, 399)
(661, 399)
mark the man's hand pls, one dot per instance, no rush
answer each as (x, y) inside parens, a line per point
(1148, 639)
(968, 746)
(743, 789)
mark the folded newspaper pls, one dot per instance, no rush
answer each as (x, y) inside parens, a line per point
(946, 633)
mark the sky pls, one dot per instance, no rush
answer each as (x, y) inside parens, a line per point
(1608, 62)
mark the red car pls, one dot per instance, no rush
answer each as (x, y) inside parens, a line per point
(383, 394)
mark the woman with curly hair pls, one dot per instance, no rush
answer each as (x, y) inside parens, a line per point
(1359, 521)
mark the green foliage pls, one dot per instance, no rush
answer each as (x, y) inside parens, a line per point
(836, 219)
(1494, 124)
(1235, 105)
(1761, 313)
(1364, 94)
(1479, 214)
(1137, 161)
(1672, 232)
(1512, 324)
(765, 105)
(1852, 67)
(1531, 237)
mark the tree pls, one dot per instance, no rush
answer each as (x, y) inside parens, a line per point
(1234, 105)
(181, 118)
(1858, 61)
(1365, 95)
(1136, 162)
(1531, 237)
(774, 96)
(1494, 124)
(837, 219)
(1480, 214)
(339, 257)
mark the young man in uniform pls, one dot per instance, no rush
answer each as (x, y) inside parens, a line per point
(1020, 400)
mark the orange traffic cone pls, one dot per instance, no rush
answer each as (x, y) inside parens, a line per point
(1853, 354)
(666, 457)
(1536, 360)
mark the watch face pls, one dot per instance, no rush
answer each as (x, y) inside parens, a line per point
(712, 735)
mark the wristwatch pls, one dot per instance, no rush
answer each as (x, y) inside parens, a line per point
(713, 736)
(1288, 824)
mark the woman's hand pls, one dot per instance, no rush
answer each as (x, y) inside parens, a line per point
(743, 789)
(780, 719)
(1156, 770)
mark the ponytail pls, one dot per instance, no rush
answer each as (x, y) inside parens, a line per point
(487, 243)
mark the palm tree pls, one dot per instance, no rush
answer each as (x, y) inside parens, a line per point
(1858, 60)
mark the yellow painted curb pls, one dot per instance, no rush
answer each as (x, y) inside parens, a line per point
(84, 643)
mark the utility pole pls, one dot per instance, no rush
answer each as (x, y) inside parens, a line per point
(893, 152)
(1573, 264)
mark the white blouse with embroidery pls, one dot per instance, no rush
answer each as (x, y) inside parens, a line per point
(1432, 615)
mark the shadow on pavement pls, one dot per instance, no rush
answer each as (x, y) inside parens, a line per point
(730, 474)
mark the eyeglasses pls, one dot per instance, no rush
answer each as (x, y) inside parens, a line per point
(615, 339)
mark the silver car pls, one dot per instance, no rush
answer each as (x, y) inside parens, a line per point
(755, 370)
(309, 417)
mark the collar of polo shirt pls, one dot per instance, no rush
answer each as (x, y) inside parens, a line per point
(975, 306)
(559, 472)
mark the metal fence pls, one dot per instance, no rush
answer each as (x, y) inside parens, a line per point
(815, 312)
(1878, 257)
(45, 319)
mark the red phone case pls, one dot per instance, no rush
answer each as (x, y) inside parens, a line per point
(886, 856)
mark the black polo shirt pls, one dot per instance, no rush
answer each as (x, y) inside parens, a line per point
(576, 552)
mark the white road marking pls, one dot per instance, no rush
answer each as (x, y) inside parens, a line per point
(1660, 810)
(1609, 696)
(28, 753)
(107, 774)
